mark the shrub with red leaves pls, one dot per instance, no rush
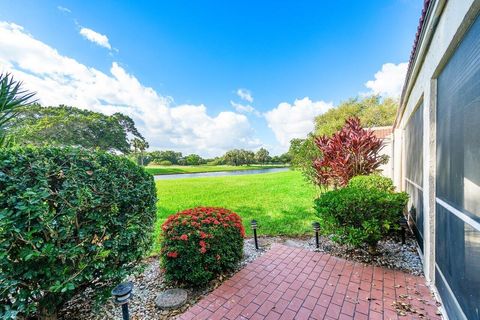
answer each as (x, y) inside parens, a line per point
(200, 243)
(347, 153)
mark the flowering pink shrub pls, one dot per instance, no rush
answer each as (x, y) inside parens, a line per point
(200, 243)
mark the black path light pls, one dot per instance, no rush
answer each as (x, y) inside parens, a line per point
(403, 225)
(254, 227)
(316, 228)
(122, 293)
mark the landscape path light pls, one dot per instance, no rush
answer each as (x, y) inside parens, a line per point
(254, 227)
(316, 228)
(122, 293)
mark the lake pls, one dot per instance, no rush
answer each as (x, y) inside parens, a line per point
(218, 174)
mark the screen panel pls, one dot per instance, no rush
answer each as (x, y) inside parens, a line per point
(457, 248)
(414, 147)
(458, 258)
(414, 171)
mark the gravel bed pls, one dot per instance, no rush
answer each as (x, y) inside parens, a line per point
(147, 284)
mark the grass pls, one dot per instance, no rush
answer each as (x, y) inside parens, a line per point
(159, 170)
(282, 202)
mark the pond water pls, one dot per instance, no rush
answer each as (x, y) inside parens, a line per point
(217, 174)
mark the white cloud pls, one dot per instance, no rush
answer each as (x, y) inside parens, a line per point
(389, 80)
(244, 108)
(241, 107)
(64, 9)
(95, 37)
(59, 79)
(245, 94)
(295, 121)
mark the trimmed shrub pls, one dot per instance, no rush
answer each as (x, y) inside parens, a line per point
(359, 216)
(200, 243)
(373, 181)
(69, 219)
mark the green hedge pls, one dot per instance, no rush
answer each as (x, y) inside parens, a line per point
(359, 216)
(69, 218)
(373, 181)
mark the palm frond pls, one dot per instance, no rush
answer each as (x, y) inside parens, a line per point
(12, 97)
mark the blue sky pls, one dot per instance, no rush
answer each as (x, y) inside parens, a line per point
(196, 55)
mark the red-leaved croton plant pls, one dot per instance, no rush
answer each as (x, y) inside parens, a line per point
(347, 153)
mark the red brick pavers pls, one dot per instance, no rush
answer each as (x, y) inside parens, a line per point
(293, 283)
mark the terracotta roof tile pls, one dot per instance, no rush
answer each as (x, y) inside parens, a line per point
(415, 47)
(421, 21)
(382, 132)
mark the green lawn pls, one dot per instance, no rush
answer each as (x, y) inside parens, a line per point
(158, 170)
(280, 202)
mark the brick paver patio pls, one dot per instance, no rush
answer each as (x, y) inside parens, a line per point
(293, 283)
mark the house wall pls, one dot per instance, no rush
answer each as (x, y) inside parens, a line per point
(447, 24)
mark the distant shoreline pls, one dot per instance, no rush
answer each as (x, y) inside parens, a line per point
(168, 170)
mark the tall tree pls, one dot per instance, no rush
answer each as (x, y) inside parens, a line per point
(262, 156)
(303, 152)
(69, 126)
(285, 158)
(167, 155)
(233, 157)
(12, 98)
(248, 157)
(372, 111)
(194, 160)
(139, 147)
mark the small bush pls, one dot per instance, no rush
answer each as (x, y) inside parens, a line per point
(200, 243)
(359, 216)
(373, 181)
(165, 163)
(69, 219)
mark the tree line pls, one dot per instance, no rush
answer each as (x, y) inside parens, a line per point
(23, 121)
(235, 157)
(63, 125)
